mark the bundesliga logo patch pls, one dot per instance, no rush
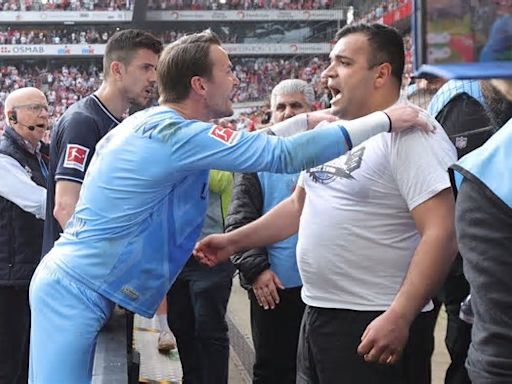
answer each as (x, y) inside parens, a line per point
(226, 135)
(76, 156)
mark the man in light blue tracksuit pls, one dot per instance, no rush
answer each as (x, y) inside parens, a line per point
(144, 198)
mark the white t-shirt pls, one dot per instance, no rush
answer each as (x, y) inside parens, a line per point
(357, 235)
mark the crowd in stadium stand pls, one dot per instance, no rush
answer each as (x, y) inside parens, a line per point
(60, 35)
(74, 35)
(239, 4)
(231, 33)
(63, 86)
(172, 35)
(67, 84)
(65, 5)
(376, 9)
(258, 75)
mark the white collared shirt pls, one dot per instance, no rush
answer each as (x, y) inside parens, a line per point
(17, 186)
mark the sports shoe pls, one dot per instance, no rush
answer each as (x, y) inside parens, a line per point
(166, 341)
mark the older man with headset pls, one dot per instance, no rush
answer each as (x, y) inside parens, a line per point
(23, 171)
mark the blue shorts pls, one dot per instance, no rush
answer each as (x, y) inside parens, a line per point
(66, 319)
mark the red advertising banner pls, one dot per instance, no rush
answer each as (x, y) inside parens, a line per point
(400, 13)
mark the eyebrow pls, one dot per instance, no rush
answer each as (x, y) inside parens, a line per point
(291, 103)
(340, 57)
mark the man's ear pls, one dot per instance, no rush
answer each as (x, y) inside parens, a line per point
(384, 72)
(198, 85)
(13, 118)
(116, 69)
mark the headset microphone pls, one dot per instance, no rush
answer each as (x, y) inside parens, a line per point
(29, 127)
(14, 118)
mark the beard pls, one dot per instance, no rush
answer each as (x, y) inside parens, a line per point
(499, 108)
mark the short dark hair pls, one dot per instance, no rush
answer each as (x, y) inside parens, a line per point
(181, 60)
(123, 45)
(386, 43)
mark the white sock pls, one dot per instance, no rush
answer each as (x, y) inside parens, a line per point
(162, 321)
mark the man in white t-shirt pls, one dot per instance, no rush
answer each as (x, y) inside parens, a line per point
(376, 232)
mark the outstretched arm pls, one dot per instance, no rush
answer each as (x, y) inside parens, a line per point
(221, 148)
(279, 223)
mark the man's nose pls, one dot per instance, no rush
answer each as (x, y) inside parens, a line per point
(152, 75)
(44, 113)
(328, 72)
(289, 112)
(236, 80)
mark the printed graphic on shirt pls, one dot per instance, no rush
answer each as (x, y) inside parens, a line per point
(76, 156)
(461, 142)
(226, 135)
(29, 171)
(327, 173)
(75, 225)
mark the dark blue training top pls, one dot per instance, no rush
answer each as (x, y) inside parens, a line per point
(73, 142)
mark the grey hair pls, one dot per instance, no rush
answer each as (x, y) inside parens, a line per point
(290, 86)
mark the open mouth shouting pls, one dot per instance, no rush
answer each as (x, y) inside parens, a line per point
(148, 92)
(336, 94)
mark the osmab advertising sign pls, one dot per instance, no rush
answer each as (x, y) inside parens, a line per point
(22, 50)
(52, 50)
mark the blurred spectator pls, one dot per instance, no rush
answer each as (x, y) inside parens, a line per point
(372, 10)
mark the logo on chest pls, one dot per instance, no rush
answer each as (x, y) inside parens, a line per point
(342, 168)
(461, 142)
(28, 170)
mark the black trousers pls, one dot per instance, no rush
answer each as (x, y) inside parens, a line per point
(275, 334)
(197, 304)
(458, 332)
(327, 352)
(14, 335)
